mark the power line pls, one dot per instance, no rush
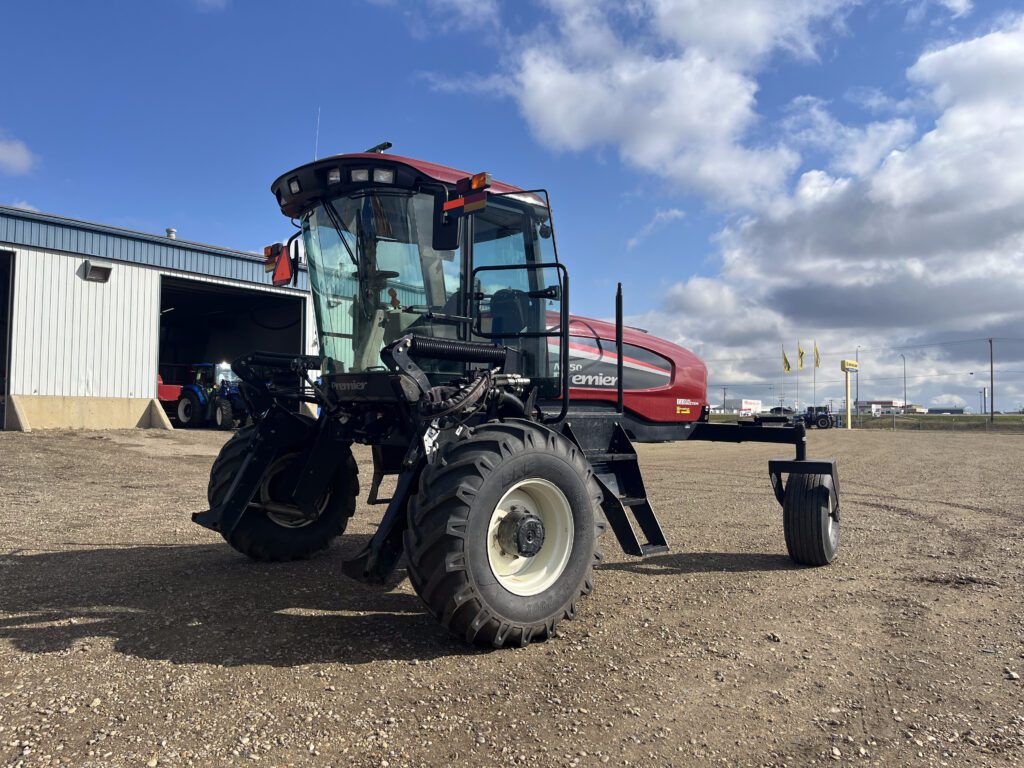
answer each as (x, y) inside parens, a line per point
(750, 385)
(873, 349)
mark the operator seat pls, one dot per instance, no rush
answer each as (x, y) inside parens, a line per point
(510, 310)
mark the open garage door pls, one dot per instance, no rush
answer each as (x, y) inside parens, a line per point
(6, 306)
(204, 322)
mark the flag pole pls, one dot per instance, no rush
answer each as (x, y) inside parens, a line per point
(782, 396)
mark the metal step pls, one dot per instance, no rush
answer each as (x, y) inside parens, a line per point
(608, 458)
(653, 549)
(617, 471)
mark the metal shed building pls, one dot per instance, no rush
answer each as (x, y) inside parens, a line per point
(91, 315)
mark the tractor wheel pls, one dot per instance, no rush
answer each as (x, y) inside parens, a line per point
(190, 410)
(503, 535)
(823, 422)
(223, 415)
(810, 522)
(273, 531)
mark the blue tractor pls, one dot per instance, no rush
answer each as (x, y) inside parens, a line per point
(211, 397)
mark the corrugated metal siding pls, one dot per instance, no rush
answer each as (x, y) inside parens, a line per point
(47, 232)
(80, 339)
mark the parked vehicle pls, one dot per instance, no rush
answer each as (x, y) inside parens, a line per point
(209, 396)
(818, 416)
(447, 346)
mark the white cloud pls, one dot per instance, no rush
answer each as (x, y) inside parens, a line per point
(469, 13)
(948, 399)
(957, 7)
(425, 19)
(900, 238)
(678, 98)
(661, 218)
(23, 205)
(745, 31)
(854, 150)
(15, 156)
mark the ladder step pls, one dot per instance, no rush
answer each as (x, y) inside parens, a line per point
(609, 457)
(652, 549)
(632, 501)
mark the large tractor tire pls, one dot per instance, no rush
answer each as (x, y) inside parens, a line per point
(272, 530)
(503, 534)
(824, 422)
(810, 522)
(224, 415)
(189, 410)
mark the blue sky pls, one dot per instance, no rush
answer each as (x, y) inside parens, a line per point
(691, 147)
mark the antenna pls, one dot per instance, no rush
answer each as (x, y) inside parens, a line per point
(316, 140)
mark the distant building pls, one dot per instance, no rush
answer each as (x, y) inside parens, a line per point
(880, 407)
(947, 409)
(741, 406)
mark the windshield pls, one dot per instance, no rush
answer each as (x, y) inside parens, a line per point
(375, 276)
(223, 372)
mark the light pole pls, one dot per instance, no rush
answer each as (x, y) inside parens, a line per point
(904, 383)
(991, 383)
(856, 400)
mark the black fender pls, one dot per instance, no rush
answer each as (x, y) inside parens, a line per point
(278, 429)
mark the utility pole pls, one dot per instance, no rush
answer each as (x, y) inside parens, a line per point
(991, 383)
(904, 383)
(723, 399)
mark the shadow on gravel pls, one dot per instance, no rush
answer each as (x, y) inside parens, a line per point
(210, 605)
(704, 562)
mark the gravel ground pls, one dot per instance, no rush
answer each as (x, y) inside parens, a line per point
(131, 637)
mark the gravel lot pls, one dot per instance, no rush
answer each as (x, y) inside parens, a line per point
(131, 637)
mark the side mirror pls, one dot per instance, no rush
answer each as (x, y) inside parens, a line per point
(446, 228)
(283, 261)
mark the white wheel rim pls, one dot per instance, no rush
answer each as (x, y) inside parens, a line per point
(220, 418)
(285, 515)
(184, 411)
(532, 575)
(831, 518)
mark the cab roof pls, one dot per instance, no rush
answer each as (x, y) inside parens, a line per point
(302, 187)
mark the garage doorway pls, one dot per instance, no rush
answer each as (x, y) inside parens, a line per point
(6, 323)
(210, 323)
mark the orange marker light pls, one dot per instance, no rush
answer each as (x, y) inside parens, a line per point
(480, 181)
(475, 183)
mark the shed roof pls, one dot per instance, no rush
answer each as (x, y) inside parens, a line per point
(33, 229)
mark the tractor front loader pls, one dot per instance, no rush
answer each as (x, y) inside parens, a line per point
(446, 344)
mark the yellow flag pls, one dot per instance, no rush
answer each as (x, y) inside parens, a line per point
(785, 362)
(799, 356)
(817, 356)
